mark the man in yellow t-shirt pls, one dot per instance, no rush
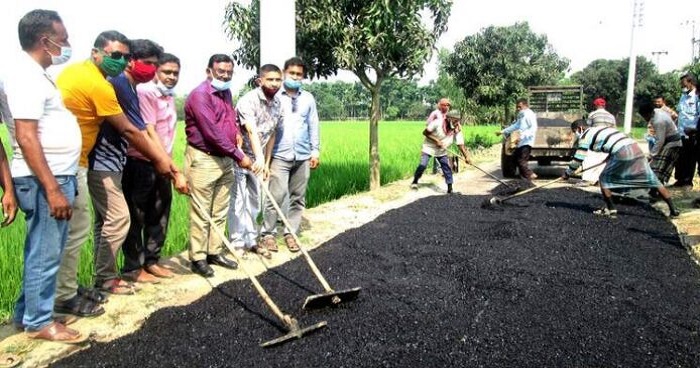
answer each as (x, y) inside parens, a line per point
(91, 98)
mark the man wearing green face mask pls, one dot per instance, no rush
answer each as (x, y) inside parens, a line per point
(92, 99)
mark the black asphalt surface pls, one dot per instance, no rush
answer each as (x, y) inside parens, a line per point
(538, 283)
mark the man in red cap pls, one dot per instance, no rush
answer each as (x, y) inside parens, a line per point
(600, 116)
(597, 118)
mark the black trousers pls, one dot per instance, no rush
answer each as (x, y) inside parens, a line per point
(687, 161)
(522, 155)
(149, 197)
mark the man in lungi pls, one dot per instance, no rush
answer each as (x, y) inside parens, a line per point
(626, 167)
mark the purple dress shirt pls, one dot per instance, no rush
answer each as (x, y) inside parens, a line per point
(210, 122)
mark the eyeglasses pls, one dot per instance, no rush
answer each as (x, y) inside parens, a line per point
(116, 55)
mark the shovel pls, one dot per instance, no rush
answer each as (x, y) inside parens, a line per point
(294, 331)
(330, 297)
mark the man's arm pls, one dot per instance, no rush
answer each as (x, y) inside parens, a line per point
(314, 136)
(9, 202)
(27, 135)
(139, 140)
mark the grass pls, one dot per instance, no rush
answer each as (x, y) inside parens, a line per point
(344, 170)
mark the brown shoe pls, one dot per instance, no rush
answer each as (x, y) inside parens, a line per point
(58, 333)
(159, 271)
(291, 243)
(140, 276)
(270, 243)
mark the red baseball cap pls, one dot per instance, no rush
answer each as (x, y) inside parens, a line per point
(599, 102)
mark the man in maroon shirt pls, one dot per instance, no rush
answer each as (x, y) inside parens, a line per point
(212, 133)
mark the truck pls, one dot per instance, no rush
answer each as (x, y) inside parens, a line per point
(556, 108)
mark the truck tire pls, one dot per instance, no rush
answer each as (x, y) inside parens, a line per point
(508, 165)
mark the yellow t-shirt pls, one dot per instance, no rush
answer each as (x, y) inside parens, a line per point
(90, 97)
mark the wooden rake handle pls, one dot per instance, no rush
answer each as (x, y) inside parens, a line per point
(310, 261)
(265, 296)
(494, 177)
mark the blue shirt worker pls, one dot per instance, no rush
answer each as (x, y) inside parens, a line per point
(295, 154)
(526, 127)
(687, 128)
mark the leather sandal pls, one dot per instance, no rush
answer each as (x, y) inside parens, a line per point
(291, 243)
(65, 320)
(270, 243)
(92, 294)
(261, 251)
(57, 332)
(117, 287)
(79, 306)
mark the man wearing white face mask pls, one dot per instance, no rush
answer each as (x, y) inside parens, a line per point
(46, 143)
(295, 154)
(148, 194)
(212, 148)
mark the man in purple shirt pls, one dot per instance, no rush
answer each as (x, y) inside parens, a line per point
(212, 136)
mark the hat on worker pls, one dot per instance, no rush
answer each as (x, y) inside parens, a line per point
(599, 102)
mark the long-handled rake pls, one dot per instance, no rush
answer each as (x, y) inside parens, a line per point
(494, 177)
(294, 331)
(497, 200)
(330, 297)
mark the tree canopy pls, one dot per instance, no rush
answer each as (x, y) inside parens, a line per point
(496, 65)
(375, 39)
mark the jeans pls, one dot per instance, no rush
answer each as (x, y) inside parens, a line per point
(148, 196)
(444, 164)
(43, 248)
(286, 178)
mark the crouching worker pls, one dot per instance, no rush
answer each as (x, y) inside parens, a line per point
(626, 167)
(439, 135)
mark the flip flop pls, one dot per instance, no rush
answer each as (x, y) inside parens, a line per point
(9, 360)
(57, 332)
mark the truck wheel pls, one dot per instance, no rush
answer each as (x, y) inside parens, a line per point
(508, 165)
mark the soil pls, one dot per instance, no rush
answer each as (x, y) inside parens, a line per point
(475, 295)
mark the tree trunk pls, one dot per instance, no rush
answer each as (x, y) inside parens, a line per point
(374, 167)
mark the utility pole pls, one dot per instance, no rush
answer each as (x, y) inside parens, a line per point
(637, 20)
(277, 31)
(693, 40)
(657, 55)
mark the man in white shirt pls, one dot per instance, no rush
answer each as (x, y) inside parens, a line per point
(46, 144)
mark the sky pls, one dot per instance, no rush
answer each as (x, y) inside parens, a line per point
(582, 31)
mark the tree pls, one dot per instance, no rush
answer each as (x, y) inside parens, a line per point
(375, 39)
(496, 66)
(608, 79)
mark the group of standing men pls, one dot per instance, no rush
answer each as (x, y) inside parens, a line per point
(103, 132)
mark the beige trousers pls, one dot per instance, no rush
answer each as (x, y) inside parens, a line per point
(112, 221)
(210, 179)
(78, 233)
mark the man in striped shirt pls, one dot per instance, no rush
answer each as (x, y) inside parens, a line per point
(626, 167)
(600, 117)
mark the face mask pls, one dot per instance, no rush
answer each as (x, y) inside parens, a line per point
(220, 85)
(269, 92)
(292, 84)
(142, 72)
(685, 89)
(165, 90)
(66, 52)
(112, 67)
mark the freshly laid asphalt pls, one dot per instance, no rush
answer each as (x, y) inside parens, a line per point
(536, 282)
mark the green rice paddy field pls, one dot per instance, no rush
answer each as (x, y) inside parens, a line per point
(344, 170)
